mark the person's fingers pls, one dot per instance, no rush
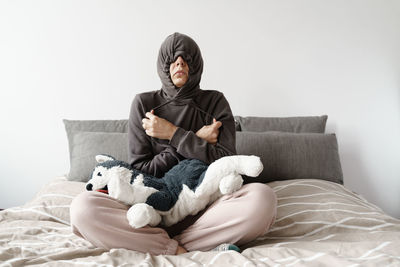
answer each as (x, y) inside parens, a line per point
(214, 120)
(150, 115)
(145, 123)
(146, 120)
(217, 124)
(152, 111)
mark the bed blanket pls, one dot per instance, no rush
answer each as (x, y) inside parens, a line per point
(319, 223)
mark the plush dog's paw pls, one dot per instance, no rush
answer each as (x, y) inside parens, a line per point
(230, 183)
(141, 214)
(251, 166)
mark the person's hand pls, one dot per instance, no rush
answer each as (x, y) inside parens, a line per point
(158, 127)
(210, 132)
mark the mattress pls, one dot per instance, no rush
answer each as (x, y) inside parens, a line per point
(319, 223)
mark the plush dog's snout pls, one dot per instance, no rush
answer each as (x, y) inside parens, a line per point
(89, 187)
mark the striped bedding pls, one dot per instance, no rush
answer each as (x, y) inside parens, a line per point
(319, 223)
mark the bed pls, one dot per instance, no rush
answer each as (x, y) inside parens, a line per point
(319, 221)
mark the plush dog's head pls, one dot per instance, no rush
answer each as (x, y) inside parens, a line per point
(107, 167)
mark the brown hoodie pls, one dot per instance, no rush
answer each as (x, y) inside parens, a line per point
(189, 108)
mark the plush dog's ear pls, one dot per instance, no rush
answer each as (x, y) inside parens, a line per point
(103, 158)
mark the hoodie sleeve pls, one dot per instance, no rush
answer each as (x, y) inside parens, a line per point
(140, 148)
(189, 145)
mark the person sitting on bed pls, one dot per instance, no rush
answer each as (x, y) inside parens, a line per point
(166, 126)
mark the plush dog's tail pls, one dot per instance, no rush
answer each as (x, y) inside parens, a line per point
(225, 166)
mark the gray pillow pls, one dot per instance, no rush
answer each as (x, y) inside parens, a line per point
(87, 138)
(292, 155)
(119, 126)
(311, 124)
(86, 145)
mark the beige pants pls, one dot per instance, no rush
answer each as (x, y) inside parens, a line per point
(236, 218)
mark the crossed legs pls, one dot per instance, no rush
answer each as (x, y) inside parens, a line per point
(236, 218)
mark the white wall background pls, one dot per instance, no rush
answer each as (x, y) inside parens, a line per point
(87, 60)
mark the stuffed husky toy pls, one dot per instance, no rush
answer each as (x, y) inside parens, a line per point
(184, 190)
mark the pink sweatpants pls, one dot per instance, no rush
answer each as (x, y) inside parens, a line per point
(237, 218)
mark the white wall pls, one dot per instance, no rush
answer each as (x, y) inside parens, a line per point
(87, 59)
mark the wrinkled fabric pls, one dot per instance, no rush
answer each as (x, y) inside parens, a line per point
(318, 223)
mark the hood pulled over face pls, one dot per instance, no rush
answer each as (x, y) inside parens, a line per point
(176, 45)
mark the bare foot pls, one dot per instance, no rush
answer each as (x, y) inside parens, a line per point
(180, 250)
